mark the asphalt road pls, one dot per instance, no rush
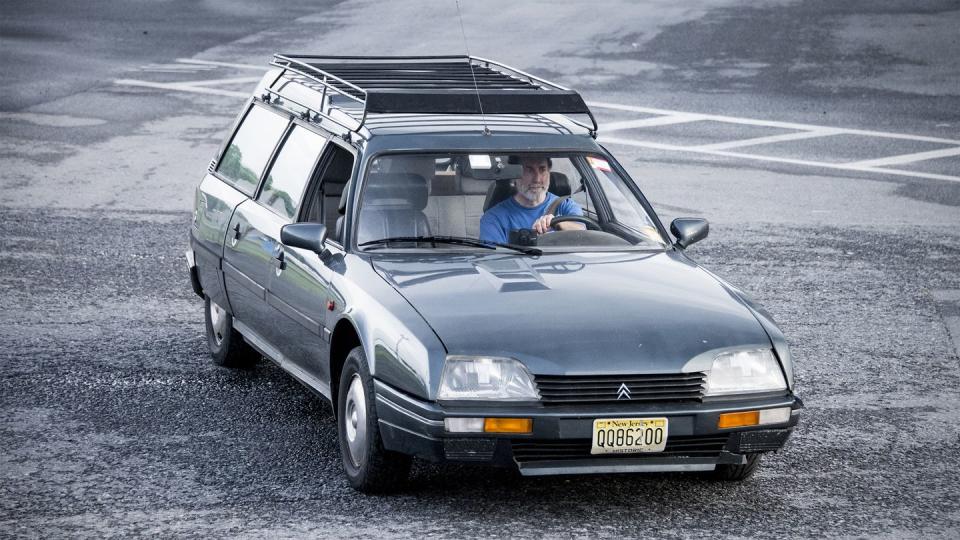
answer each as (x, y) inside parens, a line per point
(114, 422)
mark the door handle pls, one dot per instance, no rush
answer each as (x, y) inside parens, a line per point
(277, 259)
(236, 235)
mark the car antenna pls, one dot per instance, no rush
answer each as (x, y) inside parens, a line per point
(483, 118)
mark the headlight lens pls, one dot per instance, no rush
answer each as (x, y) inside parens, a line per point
(486, 377)
(743, 372)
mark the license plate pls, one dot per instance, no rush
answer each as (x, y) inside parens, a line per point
(629, 435)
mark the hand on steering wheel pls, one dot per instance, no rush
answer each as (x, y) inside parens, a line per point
(591, 224)
(542, 224)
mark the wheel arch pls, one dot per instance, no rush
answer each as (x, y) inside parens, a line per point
(343, 340)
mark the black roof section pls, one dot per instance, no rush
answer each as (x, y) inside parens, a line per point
(360, 85)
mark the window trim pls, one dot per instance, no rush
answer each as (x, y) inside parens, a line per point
(273, 159)
(317, 179)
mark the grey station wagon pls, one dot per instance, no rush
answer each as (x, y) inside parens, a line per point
(440, 248)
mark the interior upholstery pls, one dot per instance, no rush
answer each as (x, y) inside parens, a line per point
(393, 206)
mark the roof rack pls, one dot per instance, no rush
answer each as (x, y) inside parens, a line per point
(427, 85)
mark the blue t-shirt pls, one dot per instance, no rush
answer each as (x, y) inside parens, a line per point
(509, 215)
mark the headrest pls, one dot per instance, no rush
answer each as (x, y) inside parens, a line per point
(396, 191)
(498, 192)
(342, 207)
(559, 184)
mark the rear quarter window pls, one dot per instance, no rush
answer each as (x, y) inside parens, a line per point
(248, 153)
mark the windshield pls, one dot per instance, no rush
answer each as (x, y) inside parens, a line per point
(551, 202)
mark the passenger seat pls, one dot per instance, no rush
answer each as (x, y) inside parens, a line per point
(392, 205)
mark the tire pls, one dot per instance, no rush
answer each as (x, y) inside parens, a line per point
(370, 467)
(227, 346)
(736, 473)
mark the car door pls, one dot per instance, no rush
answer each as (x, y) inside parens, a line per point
(299, 289)
(253, 252)
(246, 249)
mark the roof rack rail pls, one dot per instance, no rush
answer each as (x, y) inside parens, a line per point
(427, 85)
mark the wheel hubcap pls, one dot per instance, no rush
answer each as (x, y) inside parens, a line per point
(355, 421)
(218, 320)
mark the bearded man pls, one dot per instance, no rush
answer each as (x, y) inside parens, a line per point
(532, 207)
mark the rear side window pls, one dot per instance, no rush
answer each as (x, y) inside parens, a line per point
(288, 177)
(243, 162)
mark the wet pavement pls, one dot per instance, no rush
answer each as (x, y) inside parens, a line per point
(114, 422)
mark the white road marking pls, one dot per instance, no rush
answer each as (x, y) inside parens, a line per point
(214, 82)
(651, 122)
(176, 67)
(800, 135)
(161, 70)
(53, 120)
(181, 88)
(773, 123)
(665, 117)
(908, 158)
(839, 166)
(220, 64)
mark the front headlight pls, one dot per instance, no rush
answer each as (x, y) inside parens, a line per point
(486, 377)
(743, 372)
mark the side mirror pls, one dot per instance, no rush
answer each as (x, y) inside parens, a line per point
(689, 230)
(309, 236)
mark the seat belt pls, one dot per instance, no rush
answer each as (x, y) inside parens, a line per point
(555, 204)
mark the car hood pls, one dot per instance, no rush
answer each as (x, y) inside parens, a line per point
(570, 314)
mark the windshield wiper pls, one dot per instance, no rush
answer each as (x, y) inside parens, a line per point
(458, 240)
(433, 240)
(522, 249)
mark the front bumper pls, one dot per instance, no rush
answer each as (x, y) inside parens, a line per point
(561, 438)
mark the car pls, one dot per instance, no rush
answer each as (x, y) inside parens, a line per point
(374, 226)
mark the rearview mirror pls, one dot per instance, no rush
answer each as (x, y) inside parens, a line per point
(689, 230)
(304, 235)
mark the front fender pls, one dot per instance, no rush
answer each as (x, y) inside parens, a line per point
(401, 348)
(773, 331)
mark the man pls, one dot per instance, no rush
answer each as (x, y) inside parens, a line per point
(529, 207)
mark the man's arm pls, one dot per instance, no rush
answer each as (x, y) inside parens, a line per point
(569, 207)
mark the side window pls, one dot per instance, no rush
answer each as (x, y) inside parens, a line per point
(247, 155)
(324, 199)
(626, 207)
(290, 172)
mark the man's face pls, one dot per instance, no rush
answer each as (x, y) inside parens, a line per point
(535, 179)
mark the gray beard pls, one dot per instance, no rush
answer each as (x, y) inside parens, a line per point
(534, 196)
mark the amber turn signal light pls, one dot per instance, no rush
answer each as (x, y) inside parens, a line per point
(507, 425)
(738, 419)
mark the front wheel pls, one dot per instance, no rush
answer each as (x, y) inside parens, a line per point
(736, 473)
(369, 466)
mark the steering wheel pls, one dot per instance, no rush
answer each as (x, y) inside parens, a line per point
(591, 224)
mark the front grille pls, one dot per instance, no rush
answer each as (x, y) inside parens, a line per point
(670, 387)
(526, 451)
